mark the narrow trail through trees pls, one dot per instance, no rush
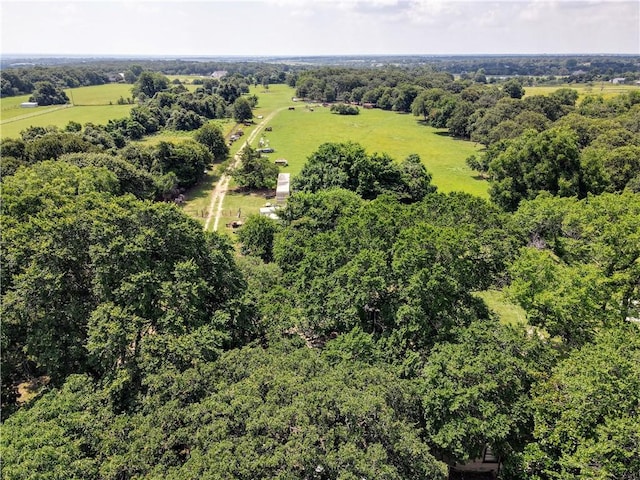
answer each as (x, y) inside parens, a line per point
(218, 193)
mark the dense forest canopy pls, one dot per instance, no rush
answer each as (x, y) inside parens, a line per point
(348, 339)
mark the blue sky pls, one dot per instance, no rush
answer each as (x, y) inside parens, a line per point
(319, 27)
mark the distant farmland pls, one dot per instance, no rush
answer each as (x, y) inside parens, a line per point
(298, 133)
(96, 104)
(606, 89)
(99, 95)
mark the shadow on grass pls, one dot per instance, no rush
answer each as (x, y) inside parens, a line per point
(452, 137)
(203, 188)
(246, 192)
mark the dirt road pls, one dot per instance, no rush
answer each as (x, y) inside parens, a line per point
(218, 193)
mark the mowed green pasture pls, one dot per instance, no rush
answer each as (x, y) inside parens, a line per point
(60, 117)
(606, 89)
(10, 108)
(187, 80)
(96, 104)
(298, 133)
(107, 94)
(272, 98)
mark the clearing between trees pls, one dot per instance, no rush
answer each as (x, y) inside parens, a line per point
(218, 193)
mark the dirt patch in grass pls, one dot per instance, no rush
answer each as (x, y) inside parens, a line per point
(31, 389)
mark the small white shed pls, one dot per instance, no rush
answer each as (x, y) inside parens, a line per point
(282, 191)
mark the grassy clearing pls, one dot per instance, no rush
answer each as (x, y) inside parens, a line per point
(238, 205)
(198, 198)
(606, 89)
(107, 94)
(14, 113)
(94, 96)
(11, 103)
(508, 313)
(297, 134)
(98, 114)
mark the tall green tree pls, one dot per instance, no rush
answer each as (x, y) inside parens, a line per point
(586, 412)
(580, 272)
(255, 171)
(211, 136)
(109, 272)
(533, 163)
(347, 165)
(148, 84)
(46, 93)
(188, 160)
(256, 237)
(475, 392)
(242, 110)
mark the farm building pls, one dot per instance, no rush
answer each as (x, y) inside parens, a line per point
(116, 78)
(618, 81)
(282, 191)
(28, 104)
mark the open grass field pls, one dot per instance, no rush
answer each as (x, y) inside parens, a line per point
(96, 104)
(99, 94)
(60, 117)
(606, 89)
(10, 108)
(297, 134)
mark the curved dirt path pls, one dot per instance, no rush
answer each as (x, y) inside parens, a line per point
(218, 193)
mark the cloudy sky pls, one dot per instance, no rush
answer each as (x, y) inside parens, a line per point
(319, 27)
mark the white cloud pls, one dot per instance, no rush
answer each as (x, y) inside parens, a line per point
(282, 27)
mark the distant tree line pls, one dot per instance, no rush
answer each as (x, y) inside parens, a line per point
(22, 80)
(73, 72)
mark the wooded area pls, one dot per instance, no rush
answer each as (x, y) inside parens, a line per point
(348, 338)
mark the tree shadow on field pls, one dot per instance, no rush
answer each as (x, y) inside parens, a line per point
(248, 192)
(203, 188)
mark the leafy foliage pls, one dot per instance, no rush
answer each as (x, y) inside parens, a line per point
(256, 237)
(255, 171)
(589, 276)
(475, 391)
(211, 136)
(586, 412)
(111, 272)
(46, 93)
(347, 165)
